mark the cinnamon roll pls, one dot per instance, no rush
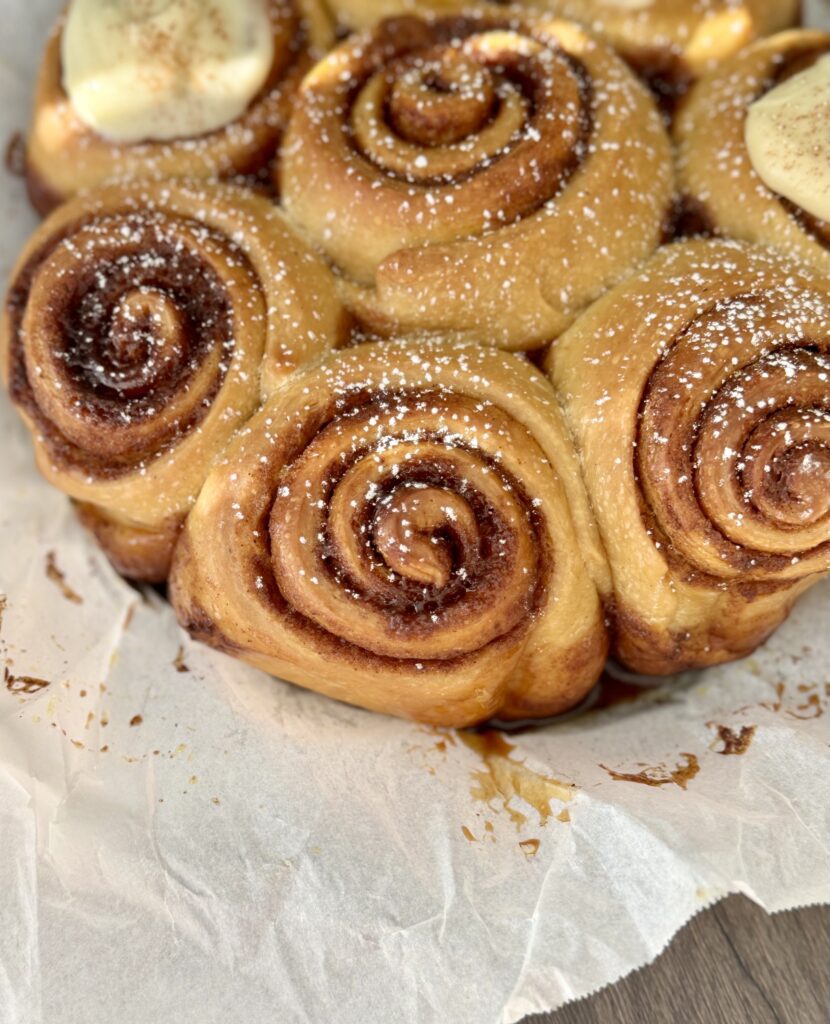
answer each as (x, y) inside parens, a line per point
(188, 88)
(754, 146)
(672, 43)
(698, 393)
(403, 527)
(486, 175)
(140, 326)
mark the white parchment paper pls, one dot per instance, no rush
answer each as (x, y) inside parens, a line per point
(184, 839)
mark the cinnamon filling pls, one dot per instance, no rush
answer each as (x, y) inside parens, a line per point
(436, 538)
(441, 102)
(125, 330)
(745, 473)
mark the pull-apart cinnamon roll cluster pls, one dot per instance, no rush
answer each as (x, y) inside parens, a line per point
(453, 420)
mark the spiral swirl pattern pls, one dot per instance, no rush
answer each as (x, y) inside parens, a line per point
(140, 326)
(397, 528)
(751, 491)
(65, 156)
(706, 447)
(454, 169)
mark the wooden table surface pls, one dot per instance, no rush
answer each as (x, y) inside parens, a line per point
(732, 964)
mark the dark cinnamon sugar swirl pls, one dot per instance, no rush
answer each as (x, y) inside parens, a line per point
(141, 325)
(403, 527)
(485, 175)
(698, 393)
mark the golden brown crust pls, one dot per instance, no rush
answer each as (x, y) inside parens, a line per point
(698, 393)
(671, 44)
(135, 553)
(485, 175)
(403, 527)
(141, 327)
(736, 630)
(65, 156)
(713, 164)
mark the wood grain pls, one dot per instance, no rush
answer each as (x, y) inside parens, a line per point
(732, 964)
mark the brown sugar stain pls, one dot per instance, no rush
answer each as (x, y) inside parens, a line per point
(441, 738)
(179, 663)
(811, 708)
(775, 705)
(735, 741)
(468, 835)
(813, 701)
(14, 157)
(530, 847)
(813, 704)
(59, 579)
(441, 745)
(136, 720)
(3, 606)
(24, 684)
(659, 775)
(503, 778)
